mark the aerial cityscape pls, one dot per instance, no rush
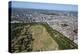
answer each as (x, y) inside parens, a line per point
(35, 29)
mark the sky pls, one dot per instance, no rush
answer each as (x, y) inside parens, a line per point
(48, 6)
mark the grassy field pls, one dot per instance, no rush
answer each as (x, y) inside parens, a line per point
(27, 37)
(43, 40)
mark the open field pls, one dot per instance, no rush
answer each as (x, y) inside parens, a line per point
(43, 40)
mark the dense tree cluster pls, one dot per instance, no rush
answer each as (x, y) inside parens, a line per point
(23, 42)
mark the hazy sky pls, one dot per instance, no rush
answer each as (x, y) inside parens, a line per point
(48, 6)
